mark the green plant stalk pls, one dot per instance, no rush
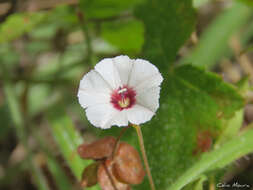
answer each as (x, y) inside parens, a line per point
(231, 128)
(199, 183)
(61, 180)
(213, 43)
(14, 110)
(19, 125)
(218, 158)
(39, 177)
(67, 139)
(87, 35)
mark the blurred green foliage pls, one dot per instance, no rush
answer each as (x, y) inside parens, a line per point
(106, 8)
(44, 54)
(18, 24)
(127, 35)
(247, 2)
(214, 42)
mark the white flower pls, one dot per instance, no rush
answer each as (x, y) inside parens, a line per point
(120, 90)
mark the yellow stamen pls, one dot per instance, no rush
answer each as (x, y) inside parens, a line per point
(124, 102)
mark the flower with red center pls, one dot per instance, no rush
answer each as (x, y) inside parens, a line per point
(123, 98)
(120, 90)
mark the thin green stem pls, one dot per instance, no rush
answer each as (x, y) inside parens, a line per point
(145, 159)
(86, 32)
(218, 158)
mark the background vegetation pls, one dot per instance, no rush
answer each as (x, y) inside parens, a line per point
(202, 134)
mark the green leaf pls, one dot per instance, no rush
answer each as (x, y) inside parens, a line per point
(220, 157)
(231, 127)
(247, 2)
(199, 183)
(126, 35)
(105, 8)
(8, 55)
(58, 174)
(168, 24)
(192, 100)
(213, 43)
(37, 96)
(18, 24)
(67, 139)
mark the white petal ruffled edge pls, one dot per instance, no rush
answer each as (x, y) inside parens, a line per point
(115, 70)
(144, 75)
(104, 116)
(95, 88)
(149, 98)
(139, 114)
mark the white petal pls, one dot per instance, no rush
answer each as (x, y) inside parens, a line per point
(124, 66)
(139, 114)
(152, 81)
(91, 99)
(104, 116)
(149, 98)
(144, 75)
(101, 115)
(93, 90)
(120, 119)
(109, 72)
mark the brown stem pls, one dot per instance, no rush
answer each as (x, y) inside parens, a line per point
(145, 159)
(109, 176)
(117, 140)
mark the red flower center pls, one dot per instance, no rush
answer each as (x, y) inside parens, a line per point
(123, 98)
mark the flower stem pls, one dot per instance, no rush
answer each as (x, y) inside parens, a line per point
(118, 139)
(141, 142)
(109, 176)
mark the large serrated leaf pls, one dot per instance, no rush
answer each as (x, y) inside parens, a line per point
(168, 25)
(188, 105)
